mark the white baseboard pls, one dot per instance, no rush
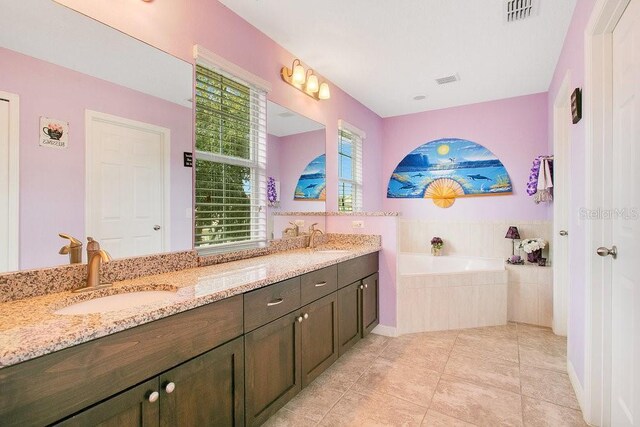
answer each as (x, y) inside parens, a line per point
(387, 331)
(577, 387)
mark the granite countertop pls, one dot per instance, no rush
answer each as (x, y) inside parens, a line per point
(29, 328)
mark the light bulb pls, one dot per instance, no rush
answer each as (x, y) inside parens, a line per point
(324, 91)
(312, 83)
(298, 74)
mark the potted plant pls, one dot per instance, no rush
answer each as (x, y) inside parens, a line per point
(533, 248)
(436, 246)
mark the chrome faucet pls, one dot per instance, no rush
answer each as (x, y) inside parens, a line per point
(73, 249)
(292, 231)
(95, 257)
(313, 232)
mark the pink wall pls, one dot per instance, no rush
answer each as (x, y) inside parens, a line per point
(52, 191)
(514, 129)
(387, 227)
(176, 25)
(572, 60)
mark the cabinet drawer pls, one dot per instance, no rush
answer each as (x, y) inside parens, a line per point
(319, 283)
(356, 269)
(264, 305)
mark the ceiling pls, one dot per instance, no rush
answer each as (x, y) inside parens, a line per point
(284, 122)
(384, 53)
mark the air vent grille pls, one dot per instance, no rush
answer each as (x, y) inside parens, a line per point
(518, 10)
(448, 79)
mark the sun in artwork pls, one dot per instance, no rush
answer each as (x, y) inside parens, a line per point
(443, 149)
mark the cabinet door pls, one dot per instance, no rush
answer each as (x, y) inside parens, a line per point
(319, 337)
(349, 314)
(130, 408)
(370, 301)
(272, 367)
(205, 391)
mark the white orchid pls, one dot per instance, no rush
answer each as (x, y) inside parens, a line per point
(532, 245)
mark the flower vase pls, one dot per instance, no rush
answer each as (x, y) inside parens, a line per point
(534, 256)
(435, 251)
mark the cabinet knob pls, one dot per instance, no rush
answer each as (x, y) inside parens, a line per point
(153, 397)
(300, 319)
(361, 287)
(366, 286)
(170, 387)
(306, 315)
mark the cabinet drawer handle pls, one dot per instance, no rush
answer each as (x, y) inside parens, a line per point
(275, 302)
(153, 397)
(170, 387)
(321, 284)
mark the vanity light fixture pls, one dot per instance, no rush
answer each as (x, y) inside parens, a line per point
(305, 81)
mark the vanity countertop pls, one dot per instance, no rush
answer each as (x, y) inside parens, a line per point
(29, 328)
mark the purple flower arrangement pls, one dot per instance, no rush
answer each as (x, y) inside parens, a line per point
(272, 194)
(532, 185)
(437, 242)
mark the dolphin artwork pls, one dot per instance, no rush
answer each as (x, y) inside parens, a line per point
(407, 186)
(479, 177)
(310, 186)
(417, 175)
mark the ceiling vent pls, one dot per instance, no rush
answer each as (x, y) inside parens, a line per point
(519, 10)
(448, 79)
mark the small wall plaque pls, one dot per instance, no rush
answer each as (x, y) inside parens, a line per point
(576, 105)
(188, 159)
(54, 133)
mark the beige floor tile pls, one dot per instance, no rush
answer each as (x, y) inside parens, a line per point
(355, 409)
(286, 418)
(497, 373)
(413, 383)
(510, 330)
(343, 373)
(482, 405)
(552, 386)
(442, 340)
(373, 343)
(436, 419)
(486, 346)
(315, 401)
(537, 413)
(408, 354)
(543, 357)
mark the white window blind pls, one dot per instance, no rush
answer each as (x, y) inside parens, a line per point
(349, 170)
(230, 162)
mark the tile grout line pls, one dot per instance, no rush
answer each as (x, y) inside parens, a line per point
(520, 374)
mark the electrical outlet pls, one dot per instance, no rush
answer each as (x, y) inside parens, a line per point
(357, 224)
(299, 222)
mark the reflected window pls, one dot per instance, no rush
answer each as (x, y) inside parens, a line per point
(230, 162)
(349, 170)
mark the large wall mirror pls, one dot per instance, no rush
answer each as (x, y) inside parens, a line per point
(103, 120)
(296, 165)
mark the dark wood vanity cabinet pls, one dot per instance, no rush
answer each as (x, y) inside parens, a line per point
(370, 304)
(207, 390)
(319, 330)
(349, 315)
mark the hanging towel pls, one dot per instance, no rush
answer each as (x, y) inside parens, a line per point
(532, 185)
(545, 182)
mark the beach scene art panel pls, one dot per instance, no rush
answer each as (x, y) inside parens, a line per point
(312, 183)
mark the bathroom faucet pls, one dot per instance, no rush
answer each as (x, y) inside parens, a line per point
(74, 249)
(294, 230)
(95, 257)
(313, 232)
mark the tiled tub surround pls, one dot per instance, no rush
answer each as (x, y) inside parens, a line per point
(28, 327)
(453, 299)
(470, 238)
(530, 294)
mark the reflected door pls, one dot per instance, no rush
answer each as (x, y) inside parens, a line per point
(625, 291)
(127, 185)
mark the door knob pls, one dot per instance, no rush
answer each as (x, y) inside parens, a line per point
(170, 387)
(153, 396)
(156, 227)
(602, 251)
(564, 233)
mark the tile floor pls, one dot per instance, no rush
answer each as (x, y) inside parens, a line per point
(511, 375)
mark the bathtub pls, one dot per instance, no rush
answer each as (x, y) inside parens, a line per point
(447, 292)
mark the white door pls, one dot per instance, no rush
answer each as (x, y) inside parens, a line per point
(127, 185)
(625, 290)
(4, 185)
(561, 193)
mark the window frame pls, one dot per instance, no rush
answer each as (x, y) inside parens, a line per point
(357, 137)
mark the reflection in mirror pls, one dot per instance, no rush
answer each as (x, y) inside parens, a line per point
(296, 162)
(103, 121)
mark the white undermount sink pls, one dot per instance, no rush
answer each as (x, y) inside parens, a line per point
(332, 251)
(117, 302)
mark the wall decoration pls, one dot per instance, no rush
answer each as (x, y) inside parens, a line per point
(576, 105)
(446, 169)
(55, 133)
(312, 183)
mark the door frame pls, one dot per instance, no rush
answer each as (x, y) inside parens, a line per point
(13, 173)
(561, 142)
(91, 117)
(598, 103)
